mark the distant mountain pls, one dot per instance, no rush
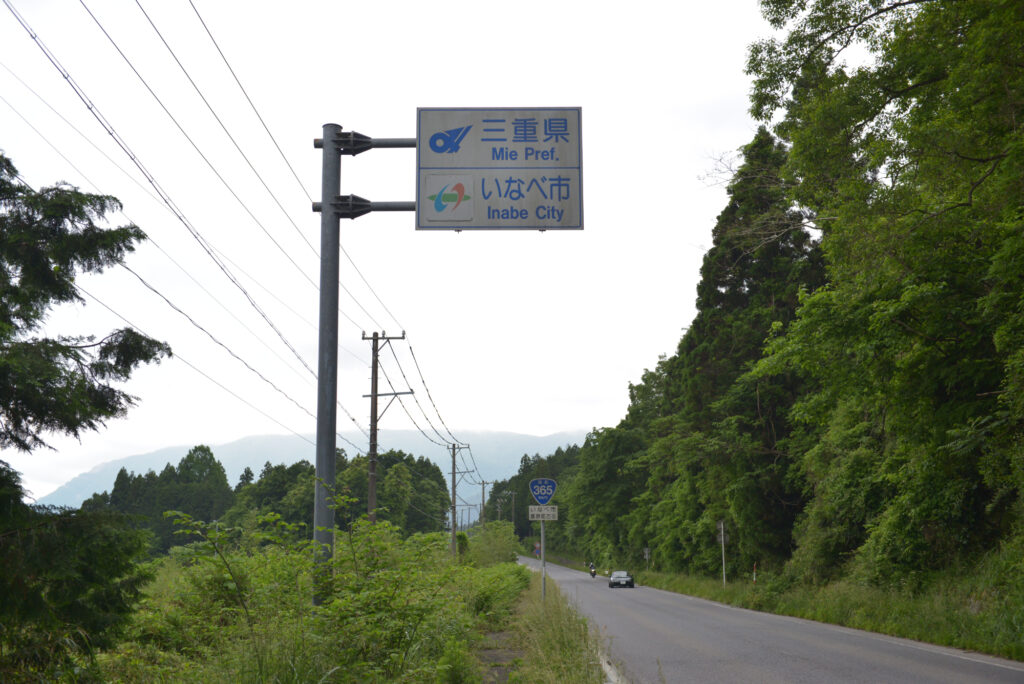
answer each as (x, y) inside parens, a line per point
(495, 454)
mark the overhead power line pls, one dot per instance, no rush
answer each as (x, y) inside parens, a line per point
(217, 173)
(98, 115)
(425, 416)
(223, 127)
(195, 368)
(218, 257)
(406, 409)
(249, 100)
(220, 254)
(225, 347)
(296, 177)
(423, 380)
(221, 385)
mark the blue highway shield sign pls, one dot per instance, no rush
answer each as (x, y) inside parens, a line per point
(542, 488)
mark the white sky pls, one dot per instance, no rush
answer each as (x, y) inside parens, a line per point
(521, 331)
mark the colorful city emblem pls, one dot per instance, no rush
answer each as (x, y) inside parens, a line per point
(449, 198)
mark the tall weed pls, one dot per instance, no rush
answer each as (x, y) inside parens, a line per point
(230, 609)
(559, 646)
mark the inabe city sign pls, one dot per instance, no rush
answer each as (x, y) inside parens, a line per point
(499, 169)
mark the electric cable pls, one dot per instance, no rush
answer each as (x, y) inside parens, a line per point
(196, 147)
(287, 163)
(223, 127)
(308, 196)
(247, 161)
(423, 380)
(404, 408)
(155, 198)
(149, 239)
(199, 238)
(166, 199)
(94, 110)
(217, 341)
(195, 368)
(255, 111)
(473, 458)
(407, 384)
(226, 389)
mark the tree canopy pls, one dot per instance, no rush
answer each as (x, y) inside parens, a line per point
(848, 398)
(62, 384)
(70, 578)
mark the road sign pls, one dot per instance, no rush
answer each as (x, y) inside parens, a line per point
(542, 488)
(499, 169)
(543, 512)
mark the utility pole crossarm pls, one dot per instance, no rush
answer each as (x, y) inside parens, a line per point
(376, 339)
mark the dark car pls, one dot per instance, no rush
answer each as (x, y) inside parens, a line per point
(620, 578)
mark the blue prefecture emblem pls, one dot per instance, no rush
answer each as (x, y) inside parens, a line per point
(543, 488)
(448, 141)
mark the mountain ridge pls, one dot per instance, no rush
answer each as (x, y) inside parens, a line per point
(495, 455)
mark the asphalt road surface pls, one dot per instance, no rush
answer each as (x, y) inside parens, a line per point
(657, 636)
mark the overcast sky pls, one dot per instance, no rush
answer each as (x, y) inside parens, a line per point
(521, 331)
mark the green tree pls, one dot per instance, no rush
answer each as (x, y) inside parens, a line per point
(203, 486)
(704, 440)
(912, 164)
(396, 494)
(69, 578)
(70, 581)
(62, 384)
(245, 478)
(283, 489)
(198, 486)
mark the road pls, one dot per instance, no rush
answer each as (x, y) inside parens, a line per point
(657, 636)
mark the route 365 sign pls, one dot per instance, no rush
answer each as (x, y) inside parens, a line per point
(542, 488)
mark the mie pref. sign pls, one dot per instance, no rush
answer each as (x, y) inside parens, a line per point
(499, 169)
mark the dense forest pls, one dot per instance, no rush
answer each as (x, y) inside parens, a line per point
(412, 494)
(848, 398)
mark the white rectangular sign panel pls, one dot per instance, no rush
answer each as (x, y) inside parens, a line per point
(543, 512)
(499, 169)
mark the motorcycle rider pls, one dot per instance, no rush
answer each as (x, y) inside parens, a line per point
(593, 571)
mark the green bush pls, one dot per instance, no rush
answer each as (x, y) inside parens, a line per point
(239, 609)
(493, 543)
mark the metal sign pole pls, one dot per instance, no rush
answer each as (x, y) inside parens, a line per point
(721, 533)
(327, 372)
(543, 566)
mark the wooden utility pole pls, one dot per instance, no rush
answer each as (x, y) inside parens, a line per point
(455, 473)
(483, 501)
(371, 498)
(455, 548)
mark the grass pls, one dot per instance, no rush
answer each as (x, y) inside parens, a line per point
(398, 611)
(557, 643)
(953, 610)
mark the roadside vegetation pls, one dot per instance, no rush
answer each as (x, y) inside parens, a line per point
(559, 646)
(848, 400)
